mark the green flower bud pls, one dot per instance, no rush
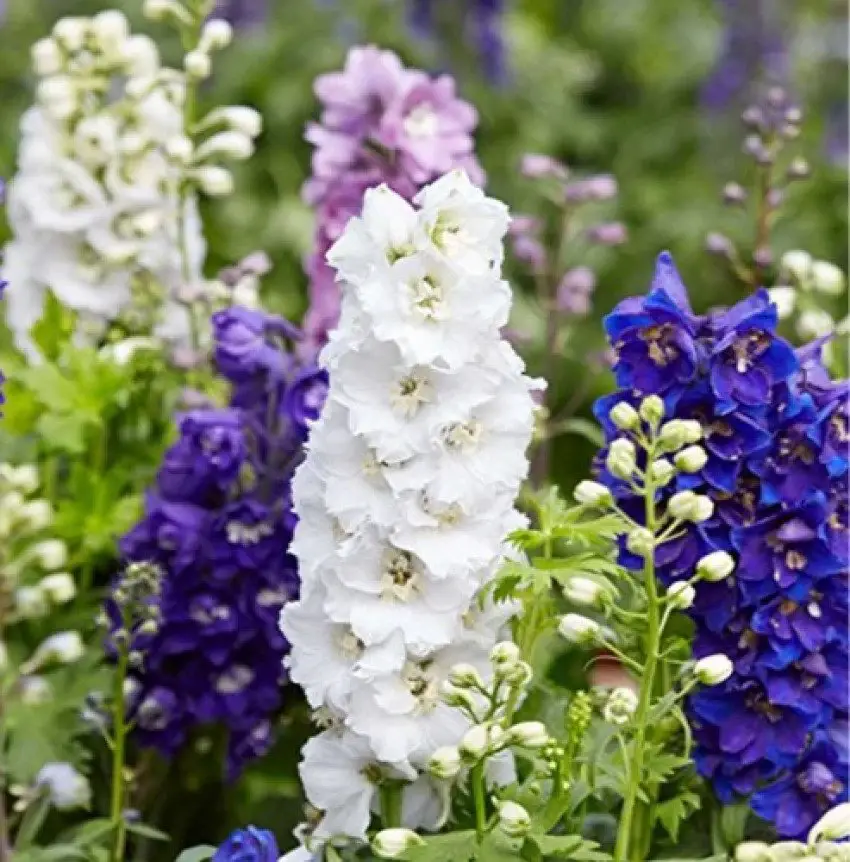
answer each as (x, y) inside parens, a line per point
(691, 459)
(593, 494)
(716, 566)
(651, 409)
(394, 843)
(624, 416)
(641, 541)
(713, 669)
(622, 459)
(514, 820)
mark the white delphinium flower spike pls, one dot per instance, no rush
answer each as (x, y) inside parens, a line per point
(405, 497)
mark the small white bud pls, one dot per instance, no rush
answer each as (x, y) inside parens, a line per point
(46, 57)
(479, 741)
(661, 472)
(833, 826)
(520, 675)
(445, 763)
(691, 459)
(23, 478)
(395, 842)
(681, 595)
(584, 591)
(239, 118)
(141, 57)
(703, 509)
(67, 788)
(620, 706)
(514, 820)
(789, 851)
(504, 655)
(679, 432)
(651, 409)
(465, 676)
(59, 588)
(578, 629)
(58, 95)
(529, 734)
(213, 180)
(62, 648)
(713, 669)
(593, 494)
(158, 10)
(797, 264)
(50, 554)
(31, 603)
(216, 35)
(197, 65)
(815, 323)
(232, 145)
(688, 506)
(111, 30)
(622, 459)
(624, 416)
(457, 697)
(641, 541)
(71, 33)
(785, 300)
(827, 278)
(716, 566)
(180, 149)
(753, 851)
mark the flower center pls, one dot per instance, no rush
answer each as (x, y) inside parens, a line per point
(247, 534)
(422, 685)
(421, 122)
(795, 560)
(349, 645)
(399, 576)
(234, 680)
(463, 436)
(410, 393)
(446, 515)
(838, 425)
(659, 345)
(428, 297)
(747, 348)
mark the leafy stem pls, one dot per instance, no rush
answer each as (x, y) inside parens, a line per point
(476, 778)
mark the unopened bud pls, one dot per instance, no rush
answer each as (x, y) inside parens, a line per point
(583, 591)
(717, 243)
(457, 697)
(394, 843)
(216, 35)
(661, 471)
(445, 763)
(593, 494)
(529, 734)
(46, 58)
(519, 675)
(514, 820)
(30, 603)
(66, 787)
(733, 193)
(827, 278)
(239, 118)
(480, 740)
(688, 506)
(538, 166)
(608, 233)
(624, 416)
(641, 541)
(213, 180)
(61, 648)
(578, 629)
(622, 459)
(798, 264)
(505, 655)
(815, 323)
(785, 299)
(50, 554)
(59, 588)
(230, 144)
(713, 669)
(691, 459)
(651, 409)
(71, 32)
(465, 676)
(197, 65)
(833, 826)
(620, 706)
(753, 851)
(716, 566)
(681, 595)
(36, 514)
(799, 169)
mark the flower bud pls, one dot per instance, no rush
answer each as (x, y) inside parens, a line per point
(216, 35)
(457, 697)
(584, 591)
(465, 676)
(62, 648)
(394, 843)
(213, 181)
(480, 741)
(35, 690)
(111, 30)
(622, 459)
(197, 65)
(50, 554)
(651, 409)
(538, 166)
(679, 432)
(30, 603)
(789, 851)
(785, 299)
(691, 459)
(58, 95)
(23, 478)
(713, 669)
(529, 734)
(661, 472)
(445, 763)
(46, 57)
(505, 655)
(827, 278)
(67, 788)
(239, 118)
(179, 148)
(620, 706)
(753, 851)
(514, 820)
(233, 145)
(59, 588)
(624, 416)
(716, 566)
(578, 629)
(141, 56)
(71, 32)
(719, 244)
(833, 826)
(593, 494)
(681, 595)
(641, 541)
(688, 506)
(36, 514)
(815, 323)
(703, 509)
(798, 264)
(519, 675)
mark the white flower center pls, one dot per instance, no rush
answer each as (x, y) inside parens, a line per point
(349, 645)
(447, 515)
(410, 393)
(814, 610)
(268, 598)
(207, 616)
(399, 576)
(234, 680)
(423, 685)
(463, 436)
(421, 122)
(428, 297)
(247, 534)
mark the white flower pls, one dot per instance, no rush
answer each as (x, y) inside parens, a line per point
(833, 826)
(716, 566)
(798, 264)
(393, 843)
(713, 669)
(578, 629)
(50, 554)
(827, 278)
(59, 588)
(67, 788)
(340, 776)
(62, 648)
(785, 300)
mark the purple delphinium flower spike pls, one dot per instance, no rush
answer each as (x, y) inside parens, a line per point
(217, 526)
(776, 433)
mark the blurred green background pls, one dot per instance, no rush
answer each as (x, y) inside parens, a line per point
(614, 86)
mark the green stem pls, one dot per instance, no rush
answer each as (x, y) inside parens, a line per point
(119, 738)
(391, 804)
(629, 840)
(476, 778)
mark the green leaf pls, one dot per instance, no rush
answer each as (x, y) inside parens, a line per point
(672, 812)
(63, 431)
(497, 847)
(582, 428)
(572, 847)
(197, 854)
(146, 831)
(91, 832)
(454, 847)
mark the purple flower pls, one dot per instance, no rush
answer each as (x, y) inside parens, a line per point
(248, 845)
(243, 13)
(242, 343)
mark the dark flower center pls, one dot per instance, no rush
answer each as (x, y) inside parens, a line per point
(659, 340)
(746, 349)
(795, 560)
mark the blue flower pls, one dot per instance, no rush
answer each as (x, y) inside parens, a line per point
(248, 845)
